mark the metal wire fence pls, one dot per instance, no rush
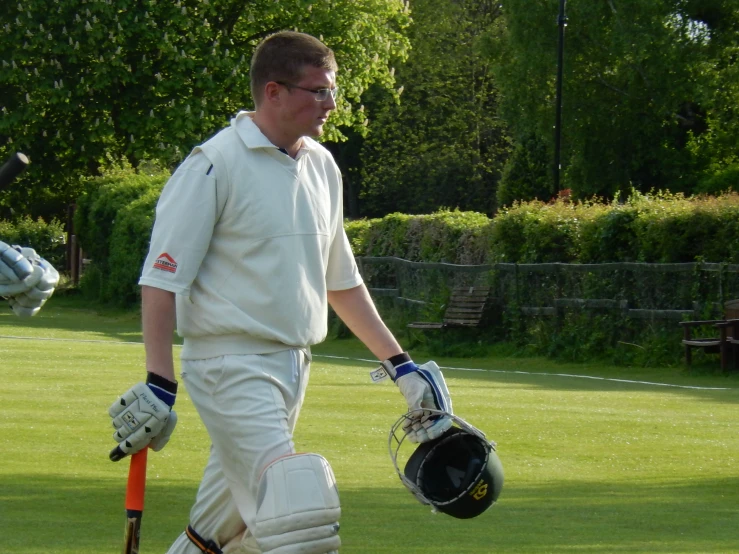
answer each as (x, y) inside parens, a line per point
(636, 290)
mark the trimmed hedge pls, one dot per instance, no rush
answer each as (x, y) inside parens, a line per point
(115, 217)
(48, 239)
(445, 236)
(657, 228)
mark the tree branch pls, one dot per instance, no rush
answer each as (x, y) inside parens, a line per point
(606, 84)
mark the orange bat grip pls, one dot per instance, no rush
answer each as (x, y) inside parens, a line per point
(136, 486)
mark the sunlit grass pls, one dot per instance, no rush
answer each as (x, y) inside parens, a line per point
(591, 465)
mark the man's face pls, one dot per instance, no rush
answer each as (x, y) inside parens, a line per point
(303, 115)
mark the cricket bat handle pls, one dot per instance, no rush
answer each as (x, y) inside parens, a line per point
(135, 489)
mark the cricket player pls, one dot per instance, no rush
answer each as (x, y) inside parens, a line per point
(247, 252)
(27, 281)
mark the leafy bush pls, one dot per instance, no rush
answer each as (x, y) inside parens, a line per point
(553, 235)
(508, 237)
(357, 231)
(671, 228)
(48, 239)
(389, 237)
(113, 221)
(609, 236)
(104, 198)
(527, 174)
(534, 232)
(725, 180)
(445, 236)
(657, 227)
(128, 248)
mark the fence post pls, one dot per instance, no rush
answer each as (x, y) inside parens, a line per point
(74, 261)
(69, 229)
(73, 258)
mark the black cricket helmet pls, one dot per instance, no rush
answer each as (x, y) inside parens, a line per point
(458, 473)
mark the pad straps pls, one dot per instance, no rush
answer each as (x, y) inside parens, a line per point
(209, 547)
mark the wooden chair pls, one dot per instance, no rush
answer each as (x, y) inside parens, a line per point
(724, 340)
(466, 308)
(731, 333)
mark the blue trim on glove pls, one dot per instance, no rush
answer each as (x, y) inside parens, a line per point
(399, 365)
(164, 389)
(405, 369)
(438, 397)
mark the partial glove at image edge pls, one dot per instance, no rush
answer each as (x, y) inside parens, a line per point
(14, 266)
(26, 279)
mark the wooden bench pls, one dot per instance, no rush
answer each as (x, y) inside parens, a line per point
(716, 344)
(723, 341)
(731, 335)
(466, 308)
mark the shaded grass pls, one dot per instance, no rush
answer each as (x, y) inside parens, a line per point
(591, 466)
(71, 317)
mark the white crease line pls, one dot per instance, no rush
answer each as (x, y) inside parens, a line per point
(517, 372)
(74, 340)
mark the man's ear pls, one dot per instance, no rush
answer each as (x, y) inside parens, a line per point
(271, 92)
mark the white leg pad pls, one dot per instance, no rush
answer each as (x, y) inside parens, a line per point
(245, 543)
(298, 507)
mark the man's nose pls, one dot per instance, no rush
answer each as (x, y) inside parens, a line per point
(330, 103)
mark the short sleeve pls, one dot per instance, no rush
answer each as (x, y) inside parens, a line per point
(185, 217)
(342, 270)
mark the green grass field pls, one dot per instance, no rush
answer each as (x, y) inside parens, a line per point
(592, 465)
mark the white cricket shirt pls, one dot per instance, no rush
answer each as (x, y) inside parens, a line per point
(250, 239)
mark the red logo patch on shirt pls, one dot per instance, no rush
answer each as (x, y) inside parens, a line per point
(165, 262)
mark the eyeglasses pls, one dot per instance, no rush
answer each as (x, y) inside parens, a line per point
(320, 94)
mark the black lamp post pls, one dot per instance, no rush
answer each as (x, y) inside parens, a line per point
(562, 22)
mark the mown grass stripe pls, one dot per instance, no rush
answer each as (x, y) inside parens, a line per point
(515, 372)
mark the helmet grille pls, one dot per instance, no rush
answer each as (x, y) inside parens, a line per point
(458, 473)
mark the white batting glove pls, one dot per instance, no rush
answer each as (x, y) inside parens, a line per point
(30, 302)
(143, 416)
(16, 271)
(26, 279)
(423, 387)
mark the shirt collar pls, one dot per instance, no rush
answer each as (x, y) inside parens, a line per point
(253, 137)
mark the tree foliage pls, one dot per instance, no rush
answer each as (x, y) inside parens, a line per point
(651, 88)
(442, 144)
(527, 174)
(148, 79)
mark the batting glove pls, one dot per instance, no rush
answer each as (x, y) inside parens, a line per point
(16, 271)
(29, 303)
(26, 279)
(423, 387)
(143, 416)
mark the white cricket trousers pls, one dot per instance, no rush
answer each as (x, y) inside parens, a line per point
(249, 405)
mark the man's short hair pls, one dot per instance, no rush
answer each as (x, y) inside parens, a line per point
(282, 57)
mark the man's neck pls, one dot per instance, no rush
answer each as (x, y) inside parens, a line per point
(271, 131)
